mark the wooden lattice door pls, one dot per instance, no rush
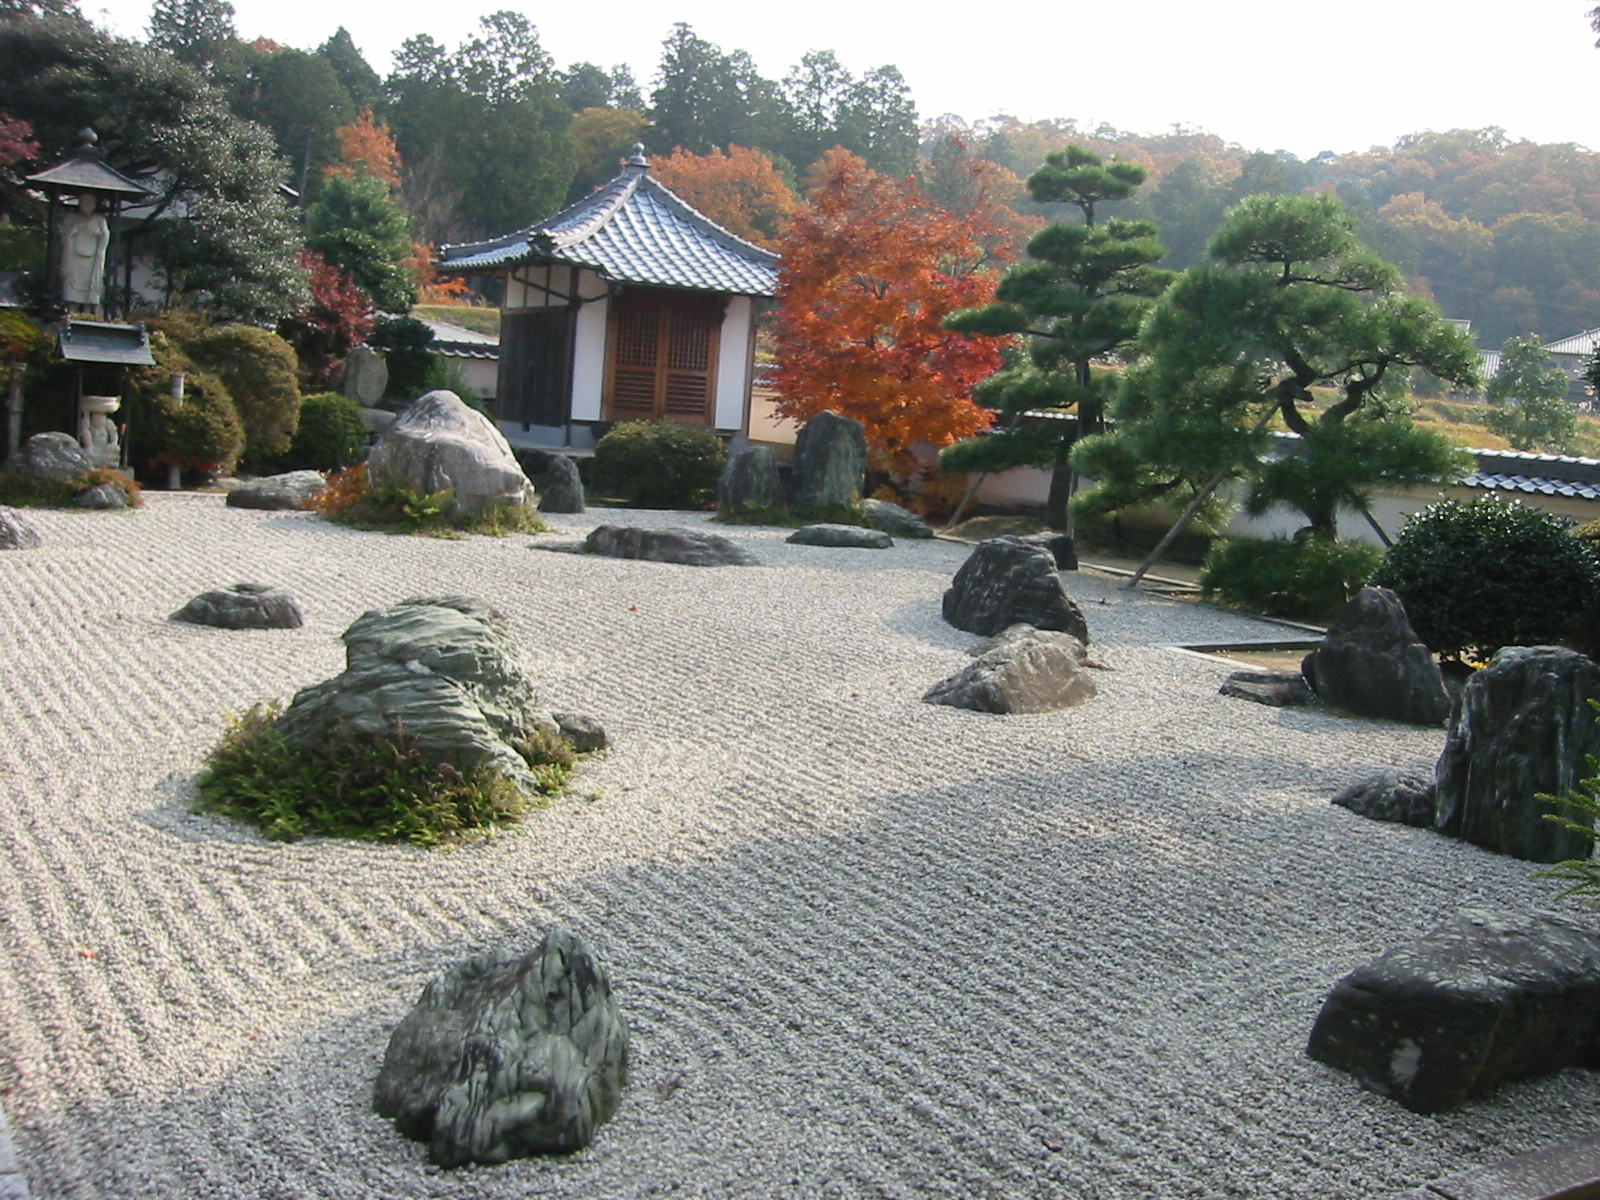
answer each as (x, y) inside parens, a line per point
(663, 360)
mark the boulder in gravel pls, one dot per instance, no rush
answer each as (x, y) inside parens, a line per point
(376, 420)
(15, 531)
(51, 458)
(1483, 1001)
(843, 537)
(366, 376)
(1372, 663)
(1523, 726)
(100, 497)
(1032, 672)
(439, 442)
(1024, 632)
(508, 1056)
(1005, 582)
(1060, 545)
(291, 490)
(1396, 796)
(243, 606)
(1278, 689)
(445, 670)
(585, 733)
(689, 547)
(830, 463)
(893, 519)
(749, 483)
(560, 486)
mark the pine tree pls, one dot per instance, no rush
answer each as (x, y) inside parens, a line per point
(1080, 298)
(193, 31)
(353, 70)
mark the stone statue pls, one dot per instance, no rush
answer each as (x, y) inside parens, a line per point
(84, 239)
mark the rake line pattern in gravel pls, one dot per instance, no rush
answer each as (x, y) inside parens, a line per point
(882, 948)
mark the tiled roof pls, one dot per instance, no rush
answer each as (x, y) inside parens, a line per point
(456, 341)
(1532, 484)
(1579, 343)
(632, 230)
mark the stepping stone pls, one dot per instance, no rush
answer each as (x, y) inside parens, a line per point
(1279, 689)
(843, 537)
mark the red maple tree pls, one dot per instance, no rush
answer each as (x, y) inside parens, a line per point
(871, 267)
(339, 316)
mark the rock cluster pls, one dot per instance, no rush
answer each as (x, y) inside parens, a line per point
(1022, 670)
(846, 537)
(830, 463)
(1483, 1001)
(439, 442)
(15, 531)
(688, 547)
(894, 520)
(507, 1056)
(1007, 582)
(243, 606)
(1372, 663)
(286, 492)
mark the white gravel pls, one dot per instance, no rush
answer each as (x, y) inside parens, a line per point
(887, 949)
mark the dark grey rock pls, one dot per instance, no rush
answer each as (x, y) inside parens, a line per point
(366, 376)
(1481, 1002)
(1005, 582)
(15, 531)
(1372, 663)
(442, 668)
(585, 733)
(508, 1056)
(1523, 726)
(440, 442)
(101, 496)
(689, 547)
(243, 606)
(1060, 547)
(289, 491)
(830, 463)
(844, 537)
(749, 483)
(893, 519)
(1279, 689)
(1023, 632)
(1021, 672)
(1391, 796)
(560, 486)
(52, 458)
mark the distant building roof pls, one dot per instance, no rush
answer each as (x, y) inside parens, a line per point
(456, 341)
(103, 342)
(632, 230)
(1490, 362)
(1579, 343)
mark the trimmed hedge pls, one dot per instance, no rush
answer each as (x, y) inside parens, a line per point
(659, 464)
(1307, 579)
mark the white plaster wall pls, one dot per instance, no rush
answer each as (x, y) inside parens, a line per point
(733, 364)
(520, 295)
(589, 351)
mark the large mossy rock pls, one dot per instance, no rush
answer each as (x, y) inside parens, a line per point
(51, 458)
(749, 483)
(439, 442)
(442, 669)
(1023, 670)
(894, 520)
(287, 492)
(830, 464)
(1523, 726)
(560, 486)
(15, 531)
(1481, 1002)
(686, 547)
(508, 1056)
(1007, 582)
(1372, 663)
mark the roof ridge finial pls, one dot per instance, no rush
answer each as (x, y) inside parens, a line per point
(88, 143)
(638, 159)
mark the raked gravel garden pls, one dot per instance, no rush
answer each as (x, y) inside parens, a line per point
(865, 946)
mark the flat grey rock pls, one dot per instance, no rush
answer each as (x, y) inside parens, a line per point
(1372, 663)
(1032, 672)
(830, 463)
(440, 442)
(687, 547)
(1006, 582)
(1277, 689)
(893, 519)
(585, 733)
(1523, 726)
(16, 533)
(289, 491)
(843, 537)
(507, 1056)
(243, 606)
(1488, 999)
(560, 486)
(749, 483)
(1390, 795)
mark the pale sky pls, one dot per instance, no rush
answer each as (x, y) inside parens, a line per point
(1269, 74)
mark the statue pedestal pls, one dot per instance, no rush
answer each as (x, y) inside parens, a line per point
(96, 433)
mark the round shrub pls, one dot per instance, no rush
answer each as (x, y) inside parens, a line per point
(1478, 576)
(659, 464)
(202, 433)
(331, 435)
(1308, 578)
(406, 344)
(262, 373)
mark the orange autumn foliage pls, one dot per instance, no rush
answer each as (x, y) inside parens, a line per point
(430, 288)
(871, 267)
(367, 144)
(740, 190)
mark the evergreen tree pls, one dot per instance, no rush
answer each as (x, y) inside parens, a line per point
(1080, 298)
(1290, 300)
(300, 98)
(354, 72)
(814, 93)
(878, 121)
(705, 98)
(1529, 393)
(356, 226)
(193, 31)
(585, 85)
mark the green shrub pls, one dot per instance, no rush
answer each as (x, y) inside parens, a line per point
(406, 344)
(659, 464)
(1478, 576)
(262, 373)
(201, 434)
(331, 435)
(391, 508)
(371, 787)
(1306, 579)
(446, 374)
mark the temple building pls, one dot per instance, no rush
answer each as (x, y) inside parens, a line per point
(628, 305)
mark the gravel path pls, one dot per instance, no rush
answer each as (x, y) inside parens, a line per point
(882, 948)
